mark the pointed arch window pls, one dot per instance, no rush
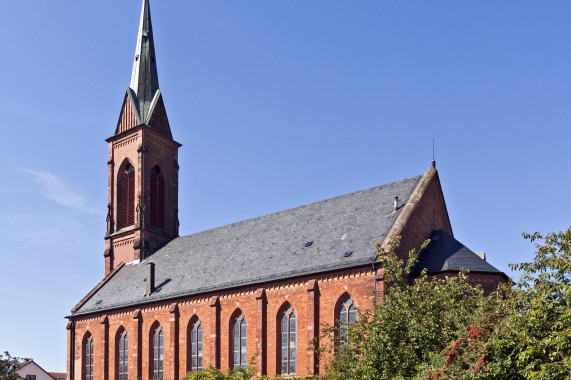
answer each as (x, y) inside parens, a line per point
(196, 352)
(239, 341)
(157, 195)
(126, 195)
(88, 355)
(123, 356)
(288, 341)
(347, 316)
(158, 351)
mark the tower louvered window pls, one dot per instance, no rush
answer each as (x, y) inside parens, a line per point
(126, 195)
(88, 352)
(239, 341)
(288, 327)
(157, 198)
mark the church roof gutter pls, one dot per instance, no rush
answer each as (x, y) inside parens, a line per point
(226, 286)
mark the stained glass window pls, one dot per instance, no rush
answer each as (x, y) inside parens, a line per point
(288, 328)
(123, 353)
(347, 315)
(89, 358)
(239, 342)
(158, 344)
(196, 346)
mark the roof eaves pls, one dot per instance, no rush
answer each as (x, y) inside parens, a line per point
(23, 364)
(233, 285)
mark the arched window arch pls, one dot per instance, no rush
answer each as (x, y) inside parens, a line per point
(287, 340)
(195, 352)
(238, 341)
(122, 354)
(126, 196)
(346, 314)
(157, 198)
(88, 357)
(157, 352)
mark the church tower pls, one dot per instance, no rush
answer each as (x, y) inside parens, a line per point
(143, 164)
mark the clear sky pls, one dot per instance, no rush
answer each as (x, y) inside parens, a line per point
(277, 104)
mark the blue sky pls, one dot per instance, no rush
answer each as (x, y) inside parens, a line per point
(277, 104)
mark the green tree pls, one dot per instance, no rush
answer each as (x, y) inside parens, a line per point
(529, 336)
(8, 366)
(534, 340)
(238, 373)
(414, 320)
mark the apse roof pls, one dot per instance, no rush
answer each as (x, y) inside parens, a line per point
(445, 253)
(262, 249)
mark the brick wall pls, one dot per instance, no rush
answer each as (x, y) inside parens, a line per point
(314, 300)
(143, 148)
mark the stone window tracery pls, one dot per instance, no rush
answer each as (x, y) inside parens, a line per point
(123, 356)
(196, 352)
(347, 316)
(288, 341)
(88, 362)
(158, 351)
(239, 341)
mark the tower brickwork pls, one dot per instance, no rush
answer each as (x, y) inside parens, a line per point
(142, 164)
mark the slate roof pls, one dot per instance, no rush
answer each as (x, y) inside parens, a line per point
(262, 249)
(445, 253)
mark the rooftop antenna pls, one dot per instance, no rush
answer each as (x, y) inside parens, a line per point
(433, 162)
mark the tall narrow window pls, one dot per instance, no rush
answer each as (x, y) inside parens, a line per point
(88, 351)
(347, 315)
(239, 342)
(157, 198)
(157, 365)
(288, 326)
(126, 196)
(196, 346)
(123, 356)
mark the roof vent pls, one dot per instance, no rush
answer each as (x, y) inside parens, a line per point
(396, 204)
(98, 302)
(150, 278)
(348, 253)
(308, 244)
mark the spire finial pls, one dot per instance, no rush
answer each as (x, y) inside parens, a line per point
(144, 79)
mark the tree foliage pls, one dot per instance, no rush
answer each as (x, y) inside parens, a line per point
(529, 336)
(8, 366)
(238, 373)
(212, 373)
(414, 320)
(534, 340)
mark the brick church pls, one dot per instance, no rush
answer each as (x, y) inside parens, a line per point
(170, 304)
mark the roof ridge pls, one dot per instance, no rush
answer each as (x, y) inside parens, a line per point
(298, 207)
